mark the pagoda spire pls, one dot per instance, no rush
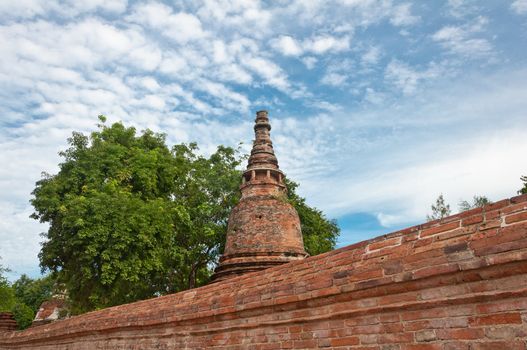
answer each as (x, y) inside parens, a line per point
(264, 229)
(262, 154)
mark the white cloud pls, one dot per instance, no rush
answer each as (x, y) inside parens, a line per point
(333, 79)
(247, 17)
(371, 56)
(287, 46)
(181, 27)
(462, 8)
(21, 9)
(27, 9)
(406, 78)
(402, 15)
(321, 44)
(317, 45)
(390, 220)
(172, 64)
(268, 70)
(461, 40)
(230, 99)
(309, 62)
(337, 73)
(519, 6)
(367, 12)
(373, 96)
(455, 152)
(406, 193)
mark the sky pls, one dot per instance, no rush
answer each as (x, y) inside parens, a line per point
(377, 106)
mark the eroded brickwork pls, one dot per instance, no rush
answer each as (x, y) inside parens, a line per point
(459, 284)
(264, 229)
(7, 322)
(50, 311)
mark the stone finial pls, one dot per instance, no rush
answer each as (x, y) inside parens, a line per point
(264, 229)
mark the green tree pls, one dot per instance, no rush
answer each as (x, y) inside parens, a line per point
(33, 292)
(319, 233)
(23, 315)
(9, 302)
(477, 202)
(524, 189)
(130, 218)
(7, 295)
(439, 210)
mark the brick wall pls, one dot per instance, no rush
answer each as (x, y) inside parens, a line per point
(456, 284)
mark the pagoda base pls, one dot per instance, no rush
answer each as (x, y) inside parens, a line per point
(239, 264)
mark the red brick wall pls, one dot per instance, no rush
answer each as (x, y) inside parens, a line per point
(456, 284)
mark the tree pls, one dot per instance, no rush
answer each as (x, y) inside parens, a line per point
(130, 218)
(9, 302)
(7, 295)
(23, 315)
(319, 233)
(33, 292)
(477, 202)
(439, 210)
(524, 189)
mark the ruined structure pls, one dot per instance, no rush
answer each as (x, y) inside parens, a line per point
(7, 322)
(264, 229)
(459, 283)
(50, 311)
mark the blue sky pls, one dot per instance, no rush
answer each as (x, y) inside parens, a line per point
(377, 106)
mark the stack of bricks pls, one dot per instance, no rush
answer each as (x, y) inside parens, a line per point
(455, 284)
(7, 322)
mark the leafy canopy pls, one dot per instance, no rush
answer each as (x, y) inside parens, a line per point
(17, 297)
(33, 292)
(7, 295)
(130, 218)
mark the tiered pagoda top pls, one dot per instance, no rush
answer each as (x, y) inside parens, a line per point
(264, 229)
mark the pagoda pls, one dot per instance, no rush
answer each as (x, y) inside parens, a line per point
(263, 229)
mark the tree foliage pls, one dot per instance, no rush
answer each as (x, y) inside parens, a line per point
(130, 218)
(319, 233)
(7, 295)
(477, 202)
(23, 315)
(439, 210)
(17, 297)
(523, 190)
(33, 292)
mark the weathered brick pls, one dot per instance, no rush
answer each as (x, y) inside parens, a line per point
(343, 341)
(505, 318)
(495, 345)
(441, 228)
(385, 243)
(471, 220)
(422, 347)
(516, 217)
(460, 334)
(425, 336)
(436, 270)
(455, 345)
(505, 332)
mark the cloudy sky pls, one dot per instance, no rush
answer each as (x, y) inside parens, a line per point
(377, 106)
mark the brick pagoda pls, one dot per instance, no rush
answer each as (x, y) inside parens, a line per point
(264, 229)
